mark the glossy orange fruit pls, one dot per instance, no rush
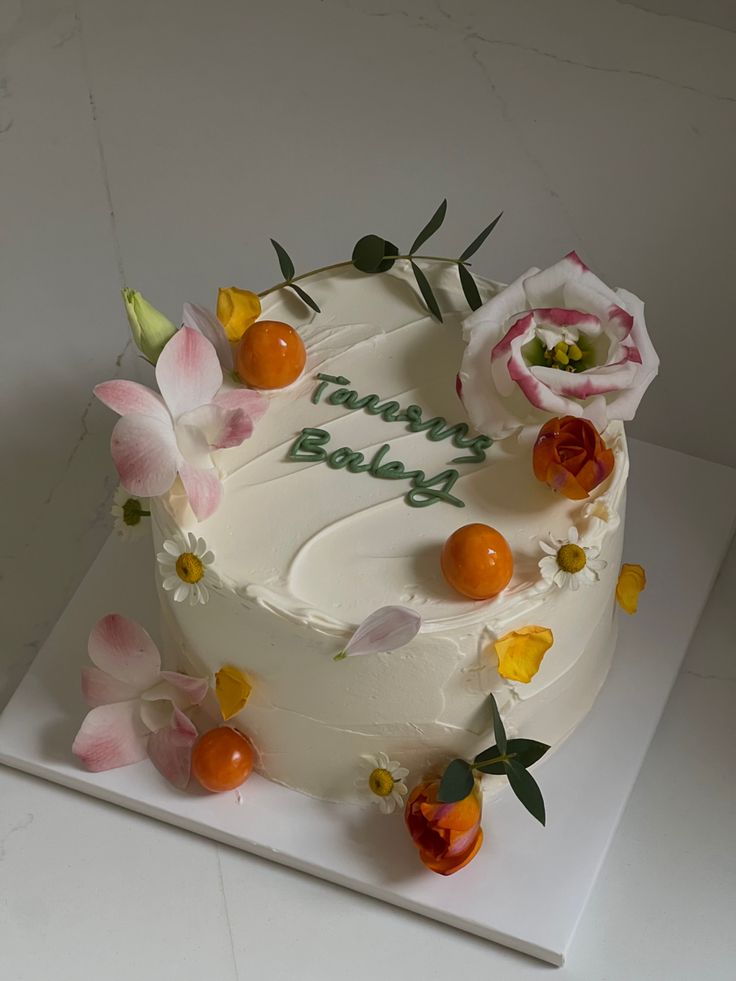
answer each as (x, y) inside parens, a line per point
(477, 561)
(222, 759)
(270, 355)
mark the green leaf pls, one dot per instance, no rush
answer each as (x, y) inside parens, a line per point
(287, 266)
(498, 730)
(303, 295)
(525, 751)
(426, 290)
(469, 288)
(457, 782)
(486, 767)
(430, 228)
(477, 242)
(371, 252)
(526, 789)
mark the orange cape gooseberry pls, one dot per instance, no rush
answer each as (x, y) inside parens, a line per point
(270, 355)
(222, 759)
(476, 561)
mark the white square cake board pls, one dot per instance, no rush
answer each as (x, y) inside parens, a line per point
(529, 885)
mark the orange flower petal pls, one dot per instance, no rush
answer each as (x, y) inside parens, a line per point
(232, 689)
(447, 866)
(237, 310)
(565, 483)
(520, 652)
(631, 581)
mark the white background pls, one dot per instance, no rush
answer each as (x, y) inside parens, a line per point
(160, 144)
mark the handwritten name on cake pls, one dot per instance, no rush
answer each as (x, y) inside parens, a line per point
(310, 444)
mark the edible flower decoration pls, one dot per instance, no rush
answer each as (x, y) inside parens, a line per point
(137, 710)
(383, 630)
(556, 342)
(631, 581)
(520, 652)
(206, 323)
(571, 457)
(447, 835)
(174, 433)
(237, 310)
(185, 566)
(568, 564)
(382, 782)
(232, 690)
(443, 816)
(151, 330)
(128, 513)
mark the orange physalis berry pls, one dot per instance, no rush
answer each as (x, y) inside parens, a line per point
(222, 759)
(270, 355)
(477, 561)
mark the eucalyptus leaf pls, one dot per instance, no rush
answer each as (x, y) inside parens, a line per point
(526, 789)
(430, 228)
(469, 288)
(498, 730)
(426, 290)
(525, 751)
(303, 295)
(371, 252)
(477, 242)
(487, 767)
(457, 782)
(287, 266)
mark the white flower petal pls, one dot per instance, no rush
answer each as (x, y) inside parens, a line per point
(181, 593)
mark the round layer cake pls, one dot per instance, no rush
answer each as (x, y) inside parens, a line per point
(339, 504)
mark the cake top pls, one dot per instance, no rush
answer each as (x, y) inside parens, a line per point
(340, 501)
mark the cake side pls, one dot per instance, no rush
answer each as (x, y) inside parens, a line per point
(305, 551)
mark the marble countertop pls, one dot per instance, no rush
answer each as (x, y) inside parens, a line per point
(159, 145)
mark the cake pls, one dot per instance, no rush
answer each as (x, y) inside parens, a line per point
(388, 533)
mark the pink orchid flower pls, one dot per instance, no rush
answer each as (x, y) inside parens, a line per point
(160, 436)
(137, 709)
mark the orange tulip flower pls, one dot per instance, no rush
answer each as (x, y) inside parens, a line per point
(571, 457)
(448, 836)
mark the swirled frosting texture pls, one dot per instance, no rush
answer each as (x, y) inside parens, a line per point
(305, 552)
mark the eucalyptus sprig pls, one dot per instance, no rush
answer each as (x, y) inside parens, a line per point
(375, 254)
(509, 756)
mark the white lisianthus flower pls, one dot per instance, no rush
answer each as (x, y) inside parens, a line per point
(556, 342)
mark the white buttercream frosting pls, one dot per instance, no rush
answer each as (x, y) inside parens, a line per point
(305, 552)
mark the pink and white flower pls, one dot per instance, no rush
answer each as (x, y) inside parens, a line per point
(555, 342)
(137, 710)
(160, 436)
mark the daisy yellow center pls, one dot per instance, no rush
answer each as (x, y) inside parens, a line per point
(381, 782)
(189, 568)
(571, 558)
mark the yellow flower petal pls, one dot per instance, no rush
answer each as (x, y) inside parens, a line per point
(520, 652)
(232, 689)
(631, 580)
(237, 310)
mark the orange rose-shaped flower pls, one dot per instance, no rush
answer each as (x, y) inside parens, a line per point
(571, 457)
(448, 836)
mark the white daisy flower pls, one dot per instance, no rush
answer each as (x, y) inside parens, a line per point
(185, 566)
(567, 563)
(382, 781)
(129, 512)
